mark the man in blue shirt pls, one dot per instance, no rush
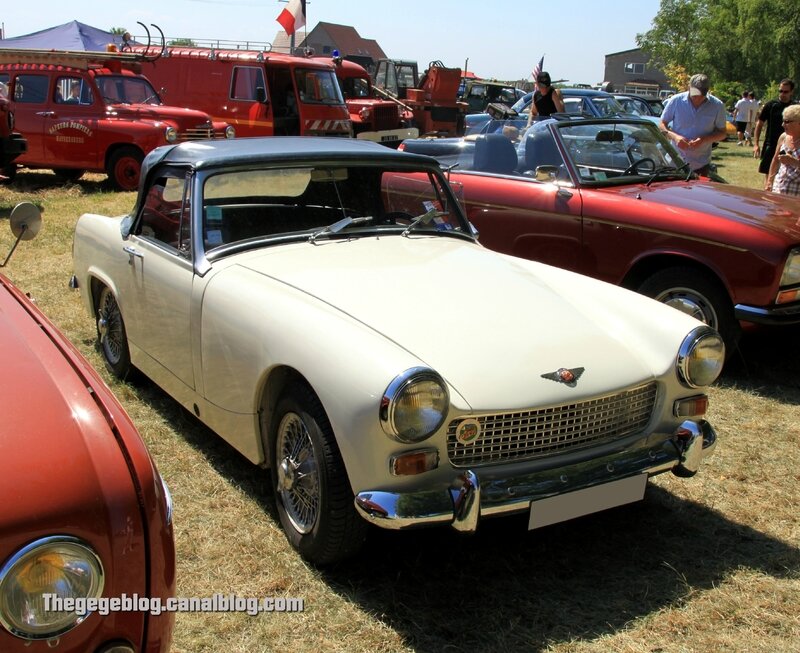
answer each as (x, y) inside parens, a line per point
(694, 121)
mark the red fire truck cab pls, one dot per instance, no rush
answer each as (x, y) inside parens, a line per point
(260, 93)
(84, 111)
(384, 121)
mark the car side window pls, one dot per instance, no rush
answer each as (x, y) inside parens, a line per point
(247, 83)
(165, 214)
(31, 89)
(72, 90)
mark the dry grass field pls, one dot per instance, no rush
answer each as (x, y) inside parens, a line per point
(702, 565)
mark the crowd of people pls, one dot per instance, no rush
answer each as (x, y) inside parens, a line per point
(694, 120)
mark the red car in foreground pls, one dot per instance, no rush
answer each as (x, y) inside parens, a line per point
(612, 199)
(85, 514)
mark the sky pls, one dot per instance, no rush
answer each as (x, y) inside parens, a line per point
(492, 41)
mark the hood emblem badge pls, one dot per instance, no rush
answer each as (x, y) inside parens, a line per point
(566, 376)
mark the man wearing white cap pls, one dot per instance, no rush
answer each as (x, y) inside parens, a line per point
(694, 121)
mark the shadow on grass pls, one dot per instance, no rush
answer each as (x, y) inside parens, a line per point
(767, 360)
(29, 181)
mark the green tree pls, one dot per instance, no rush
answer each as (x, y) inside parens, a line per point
(184, 42)
(119, 31)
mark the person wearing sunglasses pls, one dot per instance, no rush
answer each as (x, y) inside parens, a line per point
(771, 115)
(784, 171)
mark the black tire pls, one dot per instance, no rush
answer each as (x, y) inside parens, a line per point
(111, 335)
(10, 171)
(312, 492)
(68, 174)
(698, 294)
(124, 168)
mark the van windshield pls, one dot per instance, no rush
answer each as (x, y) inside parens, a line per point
(315, 86)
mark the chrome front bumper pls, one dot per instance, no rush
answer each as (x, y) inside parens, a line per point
(466, 498)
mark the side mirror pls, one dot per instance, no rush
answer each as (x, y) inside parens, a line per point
(25, 221)
(546, 173)
(261, 95)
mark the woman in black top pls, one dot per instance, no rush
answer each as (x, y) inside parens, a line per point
(546, 99)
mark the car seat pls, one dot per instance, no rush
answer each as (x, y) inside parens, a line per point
(495, 153)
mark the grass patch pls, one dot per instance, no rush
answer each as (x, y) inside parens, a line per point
(706, 564)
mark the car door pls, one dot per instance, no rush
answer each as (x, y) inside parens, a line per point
(156, 289)
(30, 92)
(70, 130)
(518, 215)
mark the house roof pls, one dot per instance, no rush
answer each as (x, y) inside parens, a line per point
(344, 38)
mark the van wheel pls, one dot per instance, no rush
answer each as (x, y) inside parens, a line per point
(68, 174)
(124, 168)
(111, 335)
(313, 495)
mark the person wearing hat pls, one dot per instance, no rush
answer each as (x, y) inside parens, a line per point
(546, 99)
(694, 120)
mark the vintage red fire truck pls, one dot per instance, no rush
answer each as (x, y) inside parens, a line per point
(90, 111)
(261, 93)
(385, 121)
(12, 143)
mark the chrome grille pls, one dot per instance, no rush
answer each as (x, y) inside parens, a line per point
(530, 434)
(386, 117)
(196, 133)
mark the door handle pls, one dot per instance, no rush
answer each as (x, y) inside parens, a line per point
(564, 193)
(46, 114)
(131, 251)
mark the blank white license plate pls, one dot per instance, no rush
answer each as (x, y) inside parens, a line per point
(584, 502)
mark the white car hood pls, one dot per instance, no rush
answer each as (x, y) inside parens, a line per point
(491, 325)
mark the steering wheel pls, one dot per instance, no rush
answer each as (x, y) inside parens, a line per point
(633, 168)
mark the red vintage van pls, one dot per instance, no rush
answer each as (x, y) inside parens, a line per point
(260, 93)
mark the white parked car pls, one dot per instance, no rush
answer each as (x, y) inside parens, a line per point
(324, 306)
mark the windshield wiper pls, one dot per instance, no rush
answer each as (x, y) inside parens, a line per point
(425, 218)
(336, 227)
(670, 169)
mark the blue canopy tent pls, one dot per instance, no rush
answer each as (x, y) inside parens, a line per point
(72, 36)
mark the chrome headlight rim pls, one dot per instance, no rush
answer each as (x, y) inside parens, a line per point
(689, 347)
(171, 134)
(36, 548)
(394, 393)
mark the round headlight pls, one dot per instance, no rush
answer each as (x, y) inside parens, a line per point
(59, 566)
(701, 357)
(230, 131)
(414, 405)
(171, 134)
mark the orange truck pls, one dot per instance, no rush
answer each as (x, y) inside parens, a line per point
(90, 111)
(385, 121)
(260, 93)
(432, 97)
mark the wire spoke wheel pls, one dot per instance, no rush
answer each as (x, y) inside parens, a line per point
(298, 473)
(111, 335)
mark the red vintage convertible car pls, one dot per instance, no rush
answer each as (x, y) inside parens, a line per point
(612, 199)
(85, 516)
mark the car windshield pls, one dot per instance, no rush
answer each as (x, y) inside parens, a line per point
(618, 151)
(316, 86)
(607, 106)
(312, 200)
(120, 89)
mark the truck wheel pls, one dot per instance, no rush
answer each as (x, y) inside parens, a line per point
(9, 171)
(124, 168)
(312, 492)
(68, 174)
(111, 335)
(697, 294)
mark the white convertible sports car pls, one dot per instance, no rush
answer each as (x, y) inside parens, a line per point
(324, 306)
